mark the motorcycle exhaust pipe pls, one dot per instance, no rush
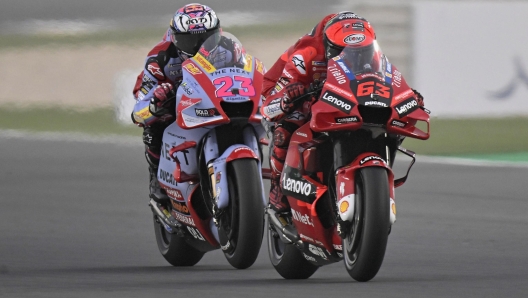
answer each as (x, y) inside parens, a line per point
(289, 233)
(170, 224)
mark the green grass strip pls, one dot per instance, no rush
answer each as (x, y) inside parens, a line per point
(503, 139)
(463, 137)
(96, 121)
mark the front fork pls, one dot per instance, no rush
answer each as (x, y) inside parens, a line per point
(215, 184)
(345, 185)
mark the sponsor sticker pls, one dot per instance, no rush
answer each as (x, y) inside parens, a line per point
(406, 107)
(354, 38)
(259, 66)
(192, 69)
(370, 158)
(398, 123)
(338, 102)
(351, 119)
(302, 218)
(206, 112)
(204, 63)
(338, 75)
(154, 69)
(298, 61)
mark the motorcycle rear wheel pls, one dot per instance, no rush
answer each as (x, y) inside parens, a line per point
(287, 260)
(174, 248)
(365, 245)
(245, 213)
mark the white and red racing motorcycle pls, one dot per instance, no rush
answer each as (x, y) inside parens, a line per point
(211, 164)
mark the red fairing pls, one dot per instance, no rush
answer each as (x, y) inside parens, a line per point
(242, 152)
(337, 107)
(258, 77)
(301, 135)
(307, 222)
(202, 225)
(346, 175)
(338, 104)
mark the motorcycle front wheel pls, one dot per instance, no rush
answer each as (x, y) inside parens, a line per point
(364, 246)
(174, 248)
(287, 260)
(243, 222)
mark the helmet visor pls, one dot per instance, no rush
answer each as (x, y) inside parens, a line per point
(361, 59)
(190, 43)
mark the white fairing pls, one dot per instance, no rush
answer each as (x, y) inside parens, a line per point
(392, 211)
(174, 136)
(346, 207)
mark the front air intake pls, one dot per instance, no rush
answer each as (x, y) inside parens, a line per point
(237, 109)
(375, 115)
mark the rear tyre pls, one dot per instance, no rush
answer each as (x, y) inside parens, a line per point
(365, 245)
(287, 260)
(174, 248)
(243, 220)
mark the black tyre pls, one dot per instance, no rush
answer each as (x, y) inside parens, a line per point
(287, 260)
(364, 247)
(243, 223)
(174, 248)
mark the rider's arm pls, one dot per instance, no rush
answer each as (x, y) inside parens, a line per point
(293, 72)
(151, 76)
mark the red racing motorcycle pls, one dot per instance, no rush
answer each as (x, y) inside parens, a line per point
(338, 175)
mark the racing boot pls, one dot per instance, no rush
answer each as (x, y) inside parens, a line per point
(278, 202)
(156, 192)
(281, 137)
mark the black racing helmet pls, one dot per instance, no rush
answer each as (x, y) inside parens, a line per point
(192, 25)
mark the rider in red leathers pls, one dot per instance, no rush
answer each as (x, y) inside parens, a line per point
(304, 65)
(155, 87)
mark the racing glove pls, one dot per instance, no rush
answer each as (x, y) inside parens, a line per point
(419, 97)
(163, 99)
(291, 94)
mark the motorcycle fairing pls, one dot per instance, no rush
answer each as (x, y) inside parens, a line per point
(304, 192)
(174, 136)
(250, 149)
(346, 181)
(186, 162)
(343, 93)
(321, 244)
(219, 165)
(181, 193)
(204, 88)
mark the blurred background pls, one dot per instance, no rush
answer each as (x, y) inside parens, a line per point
(71, 65)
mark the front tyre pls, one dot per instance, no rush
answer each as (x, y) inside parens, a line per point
(365, 245)
(287, 260)
(244, 221)
(174, 248)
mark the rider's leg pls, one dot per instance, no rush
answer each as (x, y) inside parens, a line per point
(152, 137)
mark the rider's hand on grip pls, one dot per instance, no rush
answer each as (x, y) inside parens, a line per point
(419, 97)
(163, 96)
(291, 94)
